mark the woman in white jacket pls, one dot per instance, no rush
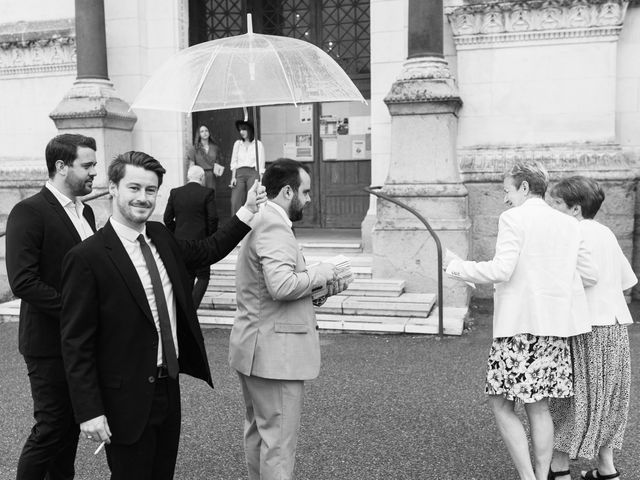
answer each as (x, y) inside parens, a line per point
(592, 423)
(539, 268)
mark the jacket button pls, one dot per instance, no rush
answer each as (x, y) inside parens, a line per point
(152, 379)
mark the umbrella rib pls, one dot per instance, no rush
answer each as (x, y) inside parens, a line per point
(286, 78)
(202, 79)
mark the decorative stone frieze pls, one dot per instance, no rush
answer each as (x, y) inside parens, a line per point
(36, 48)
(488, 163)
(492, 22)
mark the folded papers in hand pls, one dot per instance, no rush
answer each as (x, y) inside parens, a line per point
(343, 274)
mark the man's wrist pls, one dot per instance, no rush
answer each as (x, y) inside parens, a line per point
(245, 215)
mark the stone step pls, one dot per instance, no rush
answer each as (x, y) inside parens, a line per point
(227, 283)
(357, 260)
(406, 305)
(364, 287)
(453, 320)
(315, 247)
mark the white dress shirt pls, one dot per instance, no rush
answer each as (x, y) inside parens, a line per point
(129, 239)
(606, 299)
(244, 155)
(73, 210)
(539, 269)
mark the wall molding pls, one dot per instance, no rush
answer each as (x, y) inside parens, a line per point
(37, 48)
(475, 24)
(488, 163)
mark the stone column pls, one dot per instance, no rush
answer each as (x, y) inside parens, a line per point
(92, 106)
(423, 172)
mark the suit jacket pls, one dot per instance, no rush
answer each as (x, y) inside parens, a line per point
(39, 234)
(191, 211)
(274, 333)
(539, 268)
(109, 339)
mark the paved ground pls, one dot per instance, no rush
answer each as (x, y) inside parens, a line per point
(384, 407)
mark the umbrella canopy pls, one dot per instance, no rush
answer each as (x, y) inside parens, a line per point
(246, 70)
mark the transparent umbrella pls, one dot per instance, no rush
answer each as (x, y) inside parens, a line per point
(246, 70)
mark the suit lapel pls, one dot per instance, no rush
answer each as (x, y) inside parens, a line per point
(161, 243)
(64, 218)
(122, 262)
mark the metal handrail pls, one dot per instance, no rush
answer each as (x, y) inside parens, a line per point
(435, 237)
(86, 199)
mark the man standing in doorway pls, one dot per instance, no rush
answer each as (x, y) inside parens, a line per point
(129, 326)
(40, 231)
(274, 342)
(191, 215)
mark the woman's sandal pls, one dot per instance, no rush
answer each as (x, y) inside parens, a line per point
(553, 475)
(591, 475)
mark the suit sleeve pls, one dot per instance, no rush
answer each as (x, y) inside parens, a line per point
(627, 276)
(212, 212)
(78, 330)
(201, 253)
(279, 258)
(501, 267)
(25, 237)
(169, 214)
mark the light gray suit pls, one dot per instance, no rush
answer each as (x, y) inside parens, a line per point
(274, 342)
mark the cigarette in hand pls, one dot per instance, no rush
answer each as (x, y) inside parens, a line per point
(100, 447)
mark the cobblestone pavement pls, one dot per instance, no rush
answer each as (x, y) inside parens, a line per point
(384, 407)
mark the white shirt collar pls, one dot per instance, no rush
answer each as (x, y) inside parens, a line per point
(281, 211)
(61, 197)
(128, 233)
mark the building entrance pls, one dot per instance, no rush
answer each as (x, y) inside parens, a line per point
(332, 139)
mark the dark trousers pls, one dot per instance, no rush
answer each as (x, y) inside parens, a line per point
(50, 449)
(153, 455)
(201, 279)
(245, 176)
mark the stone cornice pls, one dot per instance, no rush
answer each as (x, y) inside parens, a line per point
(493, 22)
(488, 163)
(36, 48)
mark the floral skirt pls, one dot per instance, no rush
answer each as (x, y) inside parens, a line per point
(597, 415)
(528, 368)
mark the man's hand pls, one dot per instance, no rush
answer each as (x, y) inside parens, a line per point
(256, 196)
(96, 429)
(336, 287)
(326, 273)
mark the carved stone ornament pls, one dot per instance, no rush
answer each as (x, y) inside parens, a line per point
(424, 79)
(476, 23)
(483, 163)
(37, 48)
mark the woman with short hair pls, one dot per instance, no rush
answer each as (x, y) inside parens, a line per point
(539, 267)
(243, 164)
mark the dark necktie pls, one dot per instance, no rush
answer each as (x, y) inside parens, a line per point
(168, 348)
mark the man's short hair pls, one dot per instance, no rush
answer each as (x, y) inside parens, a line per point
(580, 190)
(135, 159)
(533, 173)
(195, 173)
(65, 147)
(281, 173)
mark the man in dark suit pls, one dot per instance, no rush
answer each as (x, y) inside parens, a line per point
(129, 325)
(191, 215)
(40, 231)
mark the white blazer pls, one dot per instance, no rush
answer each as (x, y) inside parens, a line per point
(606, 300)
(537, 268)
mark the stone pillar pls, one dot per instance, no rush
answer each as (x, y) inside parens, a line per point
(92, 106)
(423, 172)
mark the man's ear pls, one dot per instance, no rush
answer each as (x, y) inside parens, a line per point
(525, 187)
(288, 192)
(60, 167)
(576, 210)
(112, 188)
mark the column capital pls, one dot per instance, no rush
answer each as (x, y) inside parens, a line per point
(425, 80)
